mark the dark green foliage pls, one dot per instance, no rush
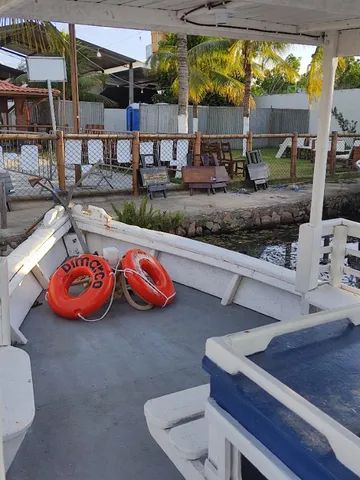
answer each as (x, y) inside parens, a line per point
(146, 216)
(348, 74)
(345, 125)
(275, 80)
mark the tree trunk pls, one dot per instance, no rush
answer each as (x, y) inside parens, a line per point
(247, 92)
(183, 83)
(195, 117)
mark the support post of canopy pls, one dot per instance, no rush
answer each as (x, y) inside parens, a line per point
(307, 272)
(329, 69)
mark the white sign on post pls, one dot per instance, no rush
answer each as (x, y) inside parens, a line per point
(47, 69)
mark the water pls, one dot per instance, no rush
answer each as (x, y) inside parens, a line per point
(279, 246)
(276, 245)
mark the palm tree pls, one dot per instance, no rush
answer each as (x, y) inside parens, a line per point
(183, 82)
(44, 38)
(192, 75)
(248, 59)
(314, 74)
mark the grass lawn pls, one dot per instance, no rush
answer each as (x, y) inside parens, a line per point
(280, 167)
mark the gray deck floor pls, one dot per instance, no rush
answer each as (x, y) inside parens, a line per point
(91, 382)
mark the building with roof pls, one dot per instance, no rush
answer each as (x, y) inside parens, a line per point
(92, 57)
(20, 100)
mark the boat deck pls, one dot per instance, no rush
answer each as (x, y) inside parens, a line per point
(91, 381)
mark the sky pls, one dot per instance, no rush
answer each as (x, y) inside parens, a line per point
(133, 43)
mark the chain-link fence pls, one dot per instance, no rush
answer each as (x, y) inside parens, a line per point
(170, 151)
(23, 156)
(101, 162)
(98, 162)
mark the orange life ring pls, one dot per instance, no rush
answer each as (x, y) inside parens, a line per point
(148, 278)
(101, 283)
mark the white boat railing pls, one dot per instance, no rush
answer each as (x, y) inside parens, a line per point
(333, 260)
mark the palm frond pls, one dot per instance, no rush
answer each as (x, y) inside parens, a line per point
(315, 76)
(40, 36)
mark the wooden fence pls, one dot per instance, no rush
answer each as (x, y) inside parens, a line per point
(26, 154)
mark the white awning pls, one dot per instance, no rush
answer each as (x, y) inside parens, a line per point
(297, 21)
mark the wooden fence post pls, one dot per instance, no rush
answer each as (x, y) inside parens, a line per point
(197, 149)
(135, 153)
(249, 142)
(332, 153)
(294, 145)
(60, 159)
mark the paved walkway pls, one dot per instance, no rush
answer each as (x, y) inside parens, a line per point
(25, 213)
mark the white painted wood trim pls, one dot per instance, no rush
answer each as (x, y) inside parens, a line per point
(231, 290)
(344, 443)
(2, 464)
(338, 255)
(229, 353)
(35, 255)
(351, 271)
(329, 70)
(324, 268)
(155, 19)
(5, 337)
(350, 289)
(352, 252)
(257, 339)
(249, 446)
(190, 469)
(234, 262)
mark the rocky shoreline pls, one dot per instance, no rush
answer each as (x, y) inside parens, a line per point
(347, 205)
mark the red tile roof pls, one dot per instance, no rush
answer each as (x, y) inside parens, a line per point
(8, 89)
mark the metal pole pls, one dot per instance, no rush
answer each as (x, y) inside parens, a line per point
(74, 79)
(52, 109)
(131, 84)
(329, 70)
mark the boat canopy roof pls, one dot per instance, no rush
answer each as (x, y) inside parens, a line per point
(305, 21)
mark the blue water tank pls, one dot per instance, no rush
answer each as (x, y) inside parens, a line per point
(133, 117)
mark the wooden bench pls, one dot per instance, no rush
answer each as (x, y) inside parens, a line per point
(209, 177)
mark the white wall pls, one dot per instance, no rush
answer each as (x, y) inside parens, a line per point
(288, 100)
(115, 120)
(346, 101)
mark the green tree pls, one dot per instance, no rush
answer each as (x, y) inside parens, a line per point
(348, 74)
(45, 39)
(275, 81)
(246, 60)
(206, 74)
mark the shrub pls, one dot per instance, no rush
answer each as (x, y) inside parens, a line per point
(348, 126)
(146, 216)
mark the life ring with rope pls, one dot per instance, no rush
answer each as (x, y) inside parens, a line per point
(147, 277)
(100, 279)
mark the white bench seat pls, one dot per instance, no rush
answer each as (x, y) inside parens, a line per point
(177, 424)
(170, 410)
(190, 439)
(17, 393)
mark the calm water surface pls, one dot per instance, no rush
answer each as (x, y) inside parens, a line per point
(276, 245)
